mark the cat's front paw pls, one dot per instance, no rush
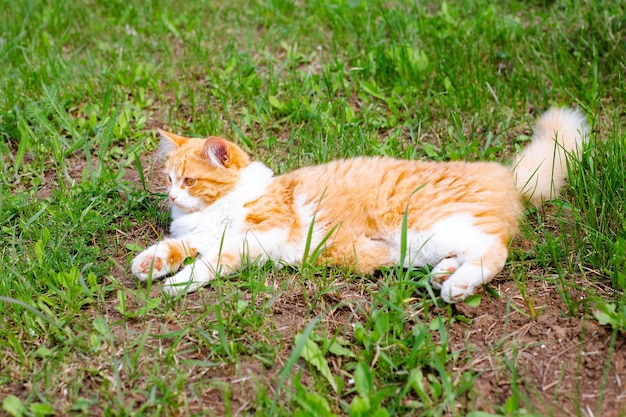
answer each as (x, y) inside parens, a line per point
(189, 279)
(152, 262)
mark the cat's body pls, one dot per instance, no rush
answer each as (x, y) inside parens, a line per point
(460, 215)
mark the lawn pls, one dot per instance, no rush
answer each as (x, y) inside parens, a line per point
(85, 84)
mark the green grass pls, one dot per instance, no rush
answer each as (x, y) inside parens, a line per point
(83, 85)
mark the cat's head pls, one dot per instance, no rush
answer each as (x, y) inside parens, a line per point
(200, 171)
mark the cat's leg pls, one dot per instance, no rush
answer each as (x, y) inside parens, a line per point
(200, 272)
(472, 274)
(161, 259)
(365, 254)
(256, 248)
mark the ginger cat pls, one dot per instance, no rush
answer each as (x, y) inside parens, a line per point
(228, 209)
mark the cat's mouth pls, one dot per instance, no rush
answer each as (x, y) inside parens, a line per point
(186, 208)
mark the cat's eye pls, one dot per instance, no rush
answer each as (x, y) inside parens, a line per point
(189, 181)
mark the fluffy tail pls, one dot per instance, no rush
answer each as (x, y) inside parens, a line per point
(541, 168)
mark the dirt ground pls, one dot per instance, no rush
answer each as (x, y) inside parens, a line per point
(558, 361)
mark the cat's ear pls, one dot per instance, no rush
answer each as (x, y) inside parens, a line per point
(169, 142)
(217, 151)
(225, 154)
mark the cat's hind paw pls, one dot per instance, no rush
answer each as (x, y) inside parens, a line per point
(463, 283)
(442, 271)
(152, 262)
(454, 292)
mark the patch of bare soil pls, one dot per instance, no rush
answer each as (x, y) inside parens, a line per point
(527, 346)
(558, 361)
(555, 363)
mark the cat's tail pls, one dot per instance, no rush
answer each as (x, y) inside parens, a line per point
(541, 167)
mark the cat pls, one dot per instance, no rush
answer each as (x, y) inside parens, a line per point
(460, 216)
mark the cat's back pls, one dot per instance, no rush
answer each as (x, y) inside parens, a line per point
(382, 187)
(389, 176)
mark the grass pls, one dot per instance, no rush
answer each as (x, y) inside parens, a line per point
(84, 84)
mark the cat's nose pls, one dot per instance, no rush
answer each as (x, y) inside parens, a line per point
(172, 198)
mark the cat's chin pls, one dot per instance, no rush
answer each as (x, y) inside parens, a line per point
(178, 212)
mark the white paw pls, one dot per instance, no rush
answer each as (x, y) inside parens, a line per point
(442, 271)
(190, 279)
(463, 282)
(454, 292)
(152, 262)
